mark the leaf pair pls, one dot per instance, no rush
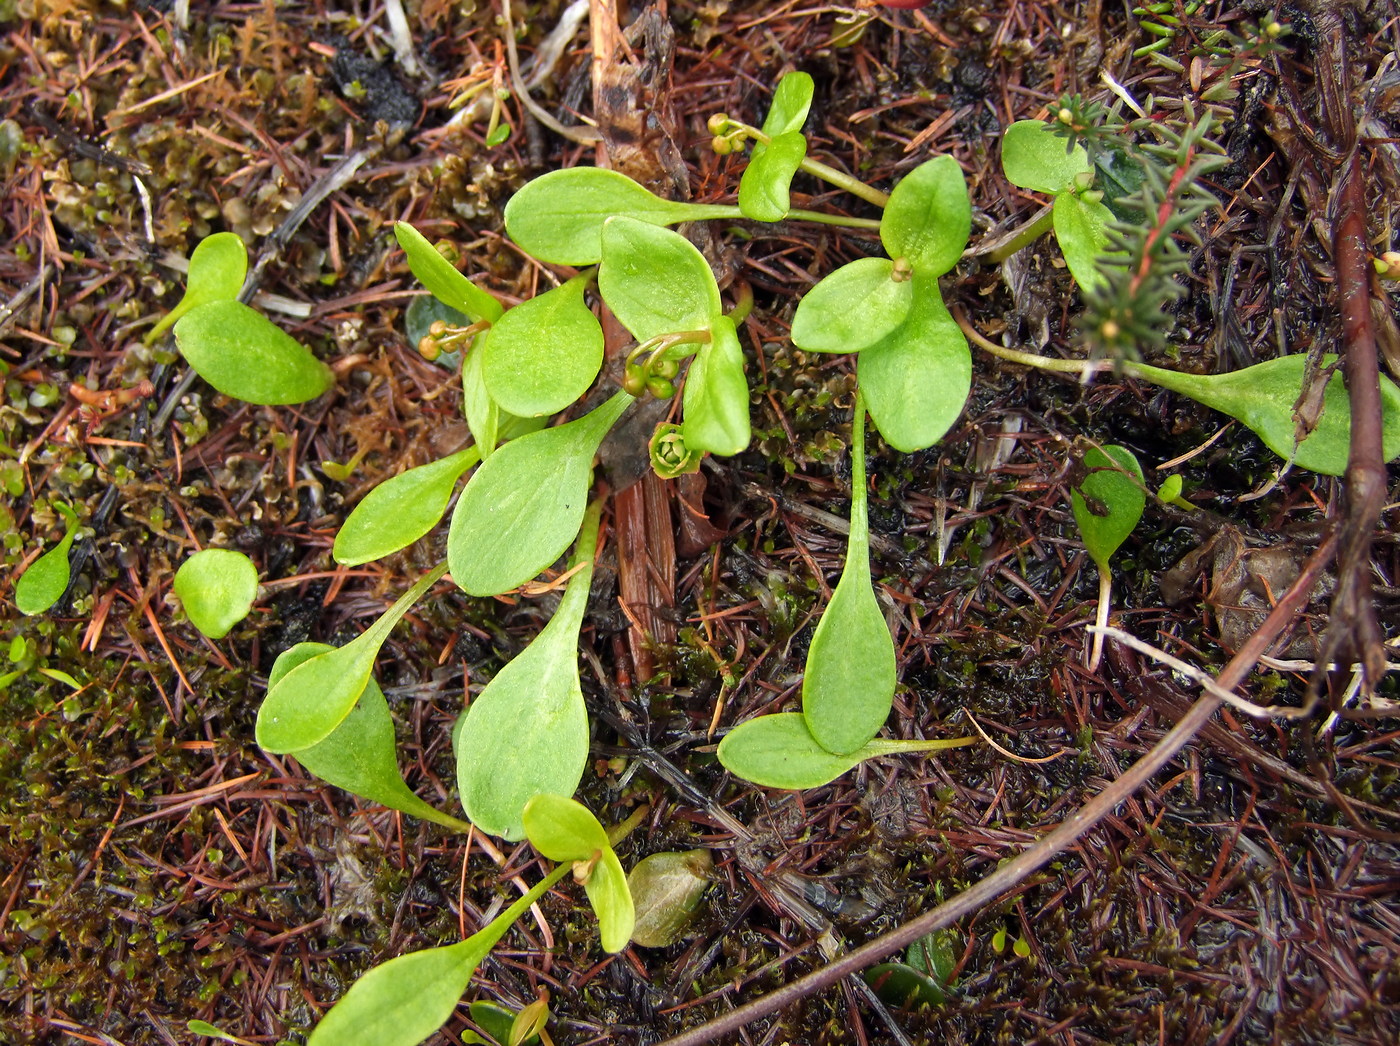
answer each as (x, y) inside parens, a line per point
(564, 830)
(764, 188)
(1034, 157)
(914, 368)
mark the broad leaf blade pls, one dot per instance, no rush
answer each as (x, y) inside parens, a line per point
(218, 267)
(442, 279)
(929, 217)
(716, 400)
(654, 280)
(1081, 227)
(245, 355)
(764, 189)
(216, 587)
(792, 100)
(43, 584)
(401, 510)
(563, 829)
(1034, 157)
(666, 889)
(852, 308)
(543, 354)
(1109, 502)
(523, 506)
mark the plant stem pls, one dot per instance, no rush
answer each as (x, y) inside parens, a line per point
(817, 169)
(1100, 617)
(1024, 236)
(799, 214)
(497, 927)
(743, 303)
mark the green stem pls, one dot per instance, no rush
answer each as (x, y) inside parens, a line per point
(1024, 236)
(880, 746)
(858, 539)
(799, 214)
(743, 303)
(497, 927)
(817, 169)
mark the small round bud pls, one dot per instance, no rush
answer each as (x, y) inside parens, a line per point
(428, 348)
(721, 145)
(718, 123)
(437, 328)
(1110, 330)
(1273, 30)
(901, 271)
(1065, 116)
(661, 388)
(634, 382)
(664, 368)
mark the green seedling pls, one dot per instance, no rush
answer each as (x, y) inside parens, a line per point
(1169, 493)
(766, 182)
(777, 751)
(1107, 503)
(245, 355)
(218, 267)
(43, 584)
(565, 830)
(666, 891)
(359, 755)
(495, 1020)
(848, 687)
(1034, 157)
(401, 510)
(216, 587)
(314, 698)
(527, 732)
(525, 504)
(923, 978)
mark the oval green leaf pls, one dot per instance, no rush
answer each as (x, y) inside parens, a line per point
(558, 217)
(216, 587)
(929, 217)
(218, 267)
(765, 188)
(792, 99)
(1081, 228)
(43, 584)
(1034, 157)
(715, 405)
(314, 698)
(360, 755)
(563, 829)
(543, 354)
(526, 734)
(848, 687)
(1109, 502)
(245, 355)
(852, 308)
(442, 279)
(523, 506)
(401, 510)
(654, 280)
(916, 380)
(612, 902)
(666, 890)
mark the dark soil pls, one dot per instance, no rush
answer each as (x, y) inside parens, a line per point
(157, 867)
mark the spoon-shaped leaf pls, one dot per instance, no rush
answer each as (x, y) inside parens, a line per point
(1081, 229)
(442, 279)
(765, 188)
(544, 353)
(1109, 502)
(1262, 397)
(1035, 157)
(929, 217)
(558, 217)
(666, 890)
(315, 697)
(778, 751)
(917, 378)
(360, 755)
(527, 732)
(403, 1001)
(245, 355)
(216, 587)
(792, 99)
(401, 510)
(524, 504)
(654, 280)
(218, 266)
(849, 683)
(565, 830)
(43, 584)
(852, 308)
(716, 400)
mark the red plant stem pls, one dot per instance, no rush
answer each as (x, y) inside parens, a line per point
(1164, 213)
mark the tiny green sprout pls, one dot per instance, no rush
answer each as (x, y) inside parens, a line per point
(924, 977)
(210, 1031)
(670, 457)
(218, 267)
(529, 1023)
(999, 940)
(216, 587)
(1169, 493)
(1107, 504)
(43, 584)
(1388, 265)
(764, 189)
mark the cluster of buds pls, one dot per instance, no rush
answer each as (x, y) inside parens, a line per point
(729, 137)
(443, 337)
(669, 455)
(656, 376)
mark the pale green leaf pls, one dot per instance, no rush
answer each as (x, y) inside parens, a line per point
(654, 280)
(612, 902)
(245, 355)
(929, 217)
(716, 399)
(482, 412)
(1036, 158)
(666, 890)
(852, 308)
(43, 584)
(218, 267)
(216, 587)
(543, 354)
(1109, 502)
(442, 279)
(764, 188)
(792, 99)
(563, 829)
(1081, 228)
(401, 510)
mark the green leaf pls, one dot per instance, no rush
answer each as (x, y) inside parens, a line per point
(1262, 397)
(929, 217)
(900, 984)
(1081, 229)
(218, 267)
(852, 308)
(612, 902)
(526, 734)
(715, 405)
(482, 412)
(493, 1019)
(1036, 158)
(764, 189)
(916, 380)
(523, 506)
(848, 687)
(442, 279)
(43, 584)
(558, 217)
(666, 889)
(778, 751)
(1109, 502)
(210, 1031)
(245, 355)
(315, 697)
(655, 281)
(216, 587)
(543, 354)
(401, 510)
(360, 755)
(792, 99)
(563, 829)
